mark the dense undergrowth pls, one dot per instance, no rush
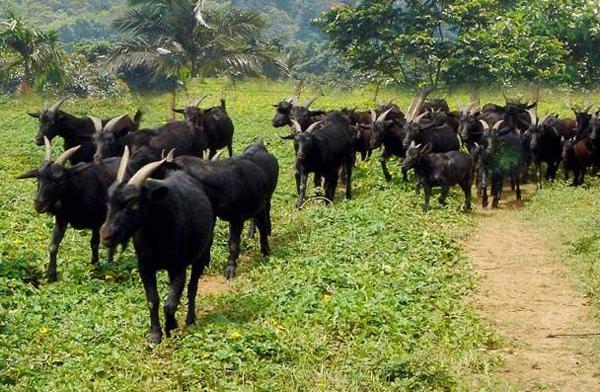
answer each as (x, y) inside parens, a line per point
(363, 295)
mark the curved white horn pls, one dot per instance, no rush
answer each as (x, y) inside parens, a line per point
(313, 126)
(57, 105)
(199, 101)
(113, 122)
(296, 126)
(383, 115)
(64, 157)
(97, 123)
(217, 155)
(48, 145)
(142, 175)
(123, 165)
(485, 125)
(419, 117)
(310, 102)
(533, 117)
(373, 115)
(497, 125)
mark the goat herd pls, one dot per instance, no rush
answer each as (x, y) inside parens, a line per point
(154, 185)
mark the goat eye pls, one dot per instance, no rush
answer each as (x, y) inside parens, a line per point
(134, 206)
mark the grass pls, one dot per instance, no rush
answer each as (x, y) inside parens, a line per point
(365, 295)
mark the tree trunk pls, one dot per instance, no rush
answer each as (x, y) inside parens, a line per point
(376, 97)
(474, 94)
(171, 106)
(25, 87)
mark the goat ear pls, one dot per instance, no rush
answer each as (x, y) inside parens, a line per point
(29, 174)
(287, 137)
(34, 114)
(180, 111)
(427, 149)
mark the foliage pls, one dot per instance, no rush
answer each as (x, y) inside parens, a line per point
(468, 41)
(166, 38)
(36, 55)
(363, 295)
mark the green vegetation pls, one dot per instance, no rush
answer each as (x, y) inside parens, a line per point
(570, 217)
(476, 42)
(363, 295)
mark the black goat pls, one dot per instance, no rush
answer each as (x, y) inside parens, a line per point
(171, 222)
(288, 110)
(323, 151)
(390, 134)
(239, 189)
(545, 146)
(214, 123)
(76, 196)
(111, 139)
(502, 156)
(76, 131)
(440, 169)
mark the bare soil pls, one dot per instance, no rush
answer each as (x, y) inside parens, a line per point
(525, 291)
(213, 285)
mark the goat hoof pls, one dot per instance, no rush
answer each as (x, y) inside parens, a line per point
(230, 273)
(156, 337)
(190, 320)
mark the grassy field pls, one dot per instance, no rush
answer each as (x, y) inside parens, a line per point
(364, 295)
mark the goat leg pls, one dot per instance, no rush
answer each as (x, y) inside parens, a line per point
(427, 192)
(58, 232)
(192, 289)
(95, 245)
(176, 285)
(149, 280)
(235, 235)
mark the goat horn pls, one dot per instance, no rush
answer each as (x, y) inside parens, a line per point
(419, 117)
(296, 126)
(142, 175)
(123, 165)
(472, 108)
(310, 102)
(97, 123)
(485, 125)
(497, 125)
(109, 127)
(383, 115)
(373, 115)
(199, 101)
(313, 126)
(418, 103)
(217, 155)
(46, 106)
(64, 157)
(48, 145)
(533, 117)
(57, 105)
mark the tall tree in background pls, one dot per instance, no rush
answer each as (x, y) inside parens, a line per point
(170, 38)
(469, 42)
(36, 54)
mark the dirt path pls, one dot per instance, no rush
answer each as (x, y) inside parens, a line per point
(526, 293)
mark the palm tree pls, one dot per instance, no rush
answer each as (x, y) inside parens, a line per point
(175, 38)
(37, 54)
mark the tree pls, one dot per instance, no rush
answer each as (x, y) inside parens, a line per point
(169, 38)
(36, 54)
